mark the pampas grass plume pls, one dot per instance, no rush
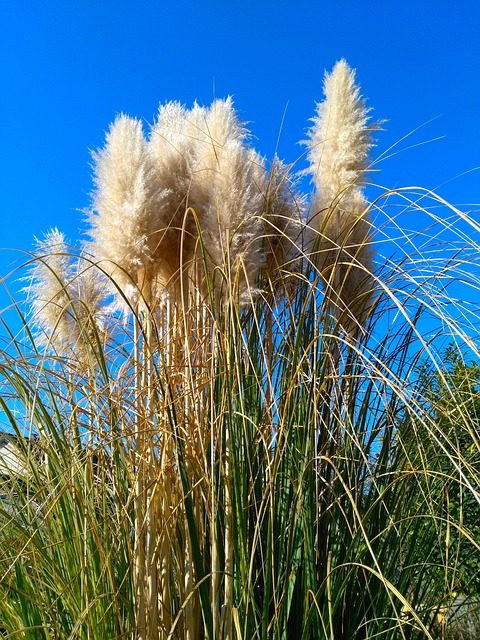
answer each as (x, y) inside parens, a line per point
(285, 212)
(339, 145)
(232, 177)
(48, 276)
(66, 294)
(123, 221)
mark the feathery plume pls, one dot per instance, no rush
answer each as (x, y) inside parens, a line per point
(231, 178)
(339, 144)
(173, 141)
(123, 221)
(66, 297)
(88, 290)
(49, 273)
(285, 211)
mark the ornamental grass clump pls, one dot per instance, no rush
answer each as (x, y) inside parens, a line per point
(242, 447)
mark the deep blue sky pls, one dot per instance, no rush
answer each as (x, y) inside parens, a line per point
(68, 66)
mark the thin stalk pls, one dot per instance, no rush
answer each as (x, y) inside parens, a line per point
(215, 562)
(329, 594)
(139, 497)
(166, 499)
(228, 504)
(228, 600)
(151, 515)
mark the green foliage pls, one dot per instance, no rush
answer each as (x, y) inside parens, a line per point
(452, 396)
(287, 445)
(66, 534)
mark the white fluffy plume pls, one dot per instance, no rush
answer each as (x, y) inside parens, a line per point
(66, 293)
(49, 274)
(339, 144)
(231, 179)
(203, 156)
(285, 212)
(174, 141)
(196, 172)
(124, 220)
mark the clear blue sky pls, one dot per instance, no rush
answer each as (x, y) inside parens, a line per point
(68, 66)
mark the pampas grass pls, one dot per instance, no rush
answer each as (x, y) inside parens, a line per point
(231, 456)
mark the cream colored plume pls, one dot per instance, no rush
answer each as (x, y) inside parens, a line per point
(174, 143)
(203, 157)
(48, 277)
(339, 144)
(124, 225)
(66, 294)
(285, 211)
(230, 180)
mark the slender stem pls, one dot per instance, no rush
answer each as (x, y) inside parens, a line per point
(213, 528)
(139, 497)
(329, 594)
(151, 516)
(228, 599)
(166, 501)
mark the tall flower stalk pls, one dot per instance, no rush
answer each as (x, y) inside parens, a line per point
(48, 280)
